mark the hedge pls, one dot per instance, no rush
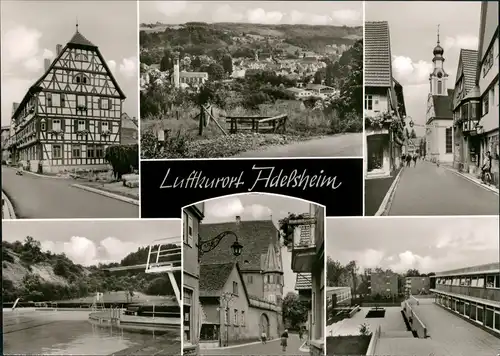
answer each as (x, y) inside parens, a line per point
(123, 158)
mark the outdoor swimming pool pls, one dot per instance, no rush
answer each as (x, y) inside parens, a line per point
(70, 332)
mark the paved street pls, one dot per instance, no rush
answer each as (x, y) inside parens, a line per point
(345, 145)
(270, 348)
(431, 190)
(36, 197)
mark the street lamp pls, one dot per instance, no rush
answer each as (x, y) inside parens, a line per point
(209, 245)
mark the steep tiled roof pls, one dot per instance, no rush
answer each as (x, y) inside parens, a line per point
(254, 235)
(469, 67)
(80, 40)
(378, 71)
(442, 106)
(213, 277)
(303, 281)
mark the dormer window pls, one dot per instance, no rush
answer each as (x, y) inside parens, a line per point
(81, 79)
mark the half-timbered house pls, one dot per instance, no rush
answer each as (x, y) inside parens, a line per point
(70, 115)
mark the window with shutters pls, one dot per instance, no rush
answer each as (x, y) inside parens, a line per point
(56, 151)
(105, 104)
(81, 101)
(99, 151)
(76, 151)
(56, 125)
(105, 126)
(56, 100)
(91, 152)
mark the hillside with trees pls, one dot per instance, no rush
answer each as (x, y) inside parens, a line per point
(42, 276)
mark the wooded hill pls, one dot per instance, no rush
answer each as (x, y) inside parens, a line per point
(35, 275)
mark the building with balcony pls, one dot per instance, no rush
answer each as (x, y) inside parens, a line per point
(384, 283)
(473, 293)
(439, 115)
(307, 250)
(70, 115)
(487, 81)
(303, 286)
(465, 106)
(227, 296)
(417, 285)
(384, 104)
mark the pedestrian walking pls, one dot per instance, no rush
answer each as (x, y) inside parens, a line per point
(403, 159)
(284, 339)
(415, 160)
(486, 169)
(263, 337)
(300, 333)
(408, 160)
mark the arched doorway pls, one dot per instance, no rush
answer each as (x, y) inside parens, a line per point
(264, 324)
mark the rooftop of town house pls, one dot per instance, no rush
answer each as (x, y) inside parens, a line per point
(378, 62)
(318, 86)
(213, 277)
(254, 235)
(303, 281)
(449, 334)
(296, 90)
(468, 57)
(493, 267)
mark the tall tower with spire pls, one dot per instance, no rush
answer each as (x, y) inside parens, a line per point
(438, 77)
(273, 274)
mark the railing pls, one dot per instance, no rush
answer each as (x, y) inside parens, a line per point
(476, 292)
(164, 255)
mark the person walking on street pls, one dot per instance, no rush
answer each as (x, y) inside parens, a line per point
(414, 160)
(403, 159)
(300, 333)
(486, 169)
(408, 160)
(284, 339)
(263, 337)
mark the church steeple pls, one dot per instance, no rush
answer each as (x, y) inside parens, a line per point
(438, 77)
(273, 274)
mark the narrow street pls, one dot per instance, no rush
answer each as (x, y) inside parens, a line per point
(431, 190)
(270, 348)
(35, 197)
(343, 145)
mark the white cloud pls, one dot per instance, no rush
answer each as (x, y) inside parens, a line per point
(13, 90)
(259, 15)
(224, 208)
(458, 42)
(112, 66)
(408, 72)
(225, 13)
(20, 43)
(347, 17)
(47, 53)
(128, 67)
(84, 251)
(176, 8)
(257, 211)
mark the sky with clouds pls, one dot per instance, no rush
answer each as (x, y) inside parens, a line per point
(413, 30)
(349, 13)
(428, 244)
(258, 207)
(32, 29)
(90, 242)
